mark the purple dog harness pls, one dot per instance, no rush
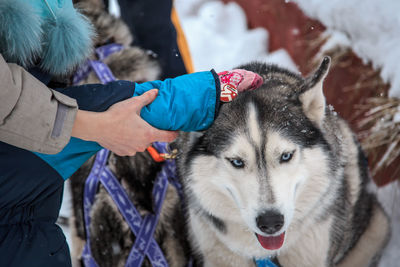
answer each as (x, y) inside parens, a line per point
(143, 228)
(102, 71)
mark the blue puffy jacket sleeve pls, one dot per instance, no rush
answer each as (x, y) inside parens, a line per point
(187, 103)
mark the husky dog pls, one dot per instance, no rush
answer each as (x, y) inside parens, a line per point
(279, 174)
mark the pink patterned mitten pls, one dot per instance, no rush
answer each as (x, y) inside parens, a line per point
(236, 81)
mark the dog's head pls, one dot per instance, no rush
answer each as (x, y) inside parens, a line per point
(253, 166)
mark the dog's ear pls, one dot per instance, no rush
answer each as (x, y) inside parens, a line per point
(312, 97)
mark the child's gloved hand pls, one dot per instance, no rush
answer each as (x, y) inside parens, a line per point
(236, 81)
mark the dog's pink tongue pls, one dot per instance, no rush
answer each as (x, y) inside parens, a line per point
(271, 242)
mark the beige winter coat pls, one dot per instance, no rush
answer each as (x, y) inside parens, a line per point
(32, 116)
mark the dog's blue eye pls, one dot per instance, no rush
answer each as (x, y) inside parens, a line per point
(285, 157)
(237, 163)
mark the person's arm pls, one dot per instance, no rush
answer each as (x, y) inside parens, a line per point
(120, 128)
(39, 119)
(189, 102)
(32, 116)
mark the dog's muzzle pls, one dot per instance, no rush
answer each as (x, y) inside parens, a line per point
(270, 222)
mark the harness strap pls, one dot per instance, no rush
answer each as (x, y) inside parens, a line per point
(91, 186)
(143, 229)
(107, 50)
(170, 168)
(102, 53)
(102, 70)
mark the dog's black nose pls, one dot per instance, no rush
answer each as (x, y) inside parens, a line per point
(270, 222)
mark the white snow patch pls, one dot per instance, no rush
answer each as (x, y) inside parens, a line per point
(372, 27)
(334, 39)
(66, 211)
(282, 58)
(114, 9)
(218, 36)
(396, 117)
(188, 7)
(389, 197)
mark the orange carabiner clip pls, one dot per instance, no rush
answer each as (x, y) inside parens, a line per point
(157, 157)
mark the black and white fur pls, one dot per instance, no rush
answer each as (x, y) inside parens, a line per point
(236, 174)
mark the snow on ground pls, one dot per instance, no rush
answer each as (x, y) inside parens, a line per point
(371, 27)
(218, 38)
(389, 197)
(66, 212)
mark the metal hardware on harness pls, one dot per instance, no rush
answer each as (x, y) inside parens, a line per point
(172, 155)
(160, 157)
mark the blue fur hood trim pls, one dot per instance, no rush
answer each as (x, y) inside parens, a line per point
(50, 33)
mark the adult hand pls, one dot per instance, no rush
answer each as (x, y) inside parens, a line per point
(120, 128)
